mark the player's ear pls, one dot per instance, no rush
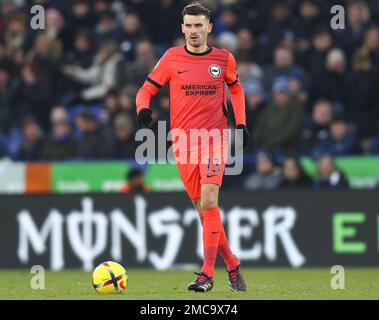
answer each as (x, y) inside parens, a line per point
(182, 27)
(210, 27)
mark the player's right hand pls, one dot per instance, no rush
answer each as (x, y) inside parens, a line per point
(144, 117)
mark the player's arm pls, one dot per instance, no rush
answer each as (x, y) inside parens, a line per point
(154, 81)
(237, 97)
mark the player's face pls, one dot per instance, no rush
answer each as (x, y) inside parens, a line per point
(196, 29)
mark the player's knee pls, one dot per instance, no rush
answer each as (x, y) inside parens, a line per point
(208, 201)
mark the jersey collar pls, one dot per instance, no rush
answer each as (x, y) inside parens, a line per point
(198, 53)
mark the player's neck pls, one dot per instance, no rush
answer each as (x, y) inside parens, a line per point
(202, 49)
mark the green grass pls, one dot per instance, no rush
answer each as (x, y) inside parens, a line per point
(263, 283)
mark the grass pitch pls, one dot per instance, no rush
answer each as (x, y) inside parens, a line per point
(147, 284)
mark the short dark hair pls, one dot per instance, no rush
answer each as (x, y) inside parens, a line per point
(196, 9)
(133, 173)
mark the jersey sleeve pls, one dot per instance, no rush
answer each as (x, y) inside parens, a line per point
(235, 89)
(161, 73)
(231, 75)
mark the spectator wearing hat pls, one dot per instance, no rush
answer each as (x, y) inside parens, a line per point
(266, 176)
(33, 141)
(329, 176)
(96, 141)
(342, 140)
(61, 144)
(280, 123)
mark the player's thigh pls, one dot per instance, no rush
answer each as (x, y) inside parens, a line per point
(190, 176)
(212, 170)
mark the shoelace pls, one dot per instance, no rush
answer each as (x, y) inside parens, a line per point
(201, 277)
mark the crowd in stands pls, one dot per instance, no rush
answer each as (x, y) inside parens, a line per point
(68, 91)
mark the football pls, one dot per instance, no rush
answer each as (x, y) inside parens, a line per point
(109, 277)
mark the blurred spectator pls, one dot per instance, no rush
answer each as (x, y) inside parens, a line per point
(82, 16)
(329, 176)
(282, 28)
(248, 72)
(7, 91)
(322, 42)
(280, 123)
(163, 30)
(358, 20)
(14, 35)
(310, 18)
(61, 144)
(373, 145)
(100, 76)
(317, 126)
(82, 53)
(342, 140)
(96, 142)
(107, 29)
(31, 148)
(3, 148)
(131, 33)
(331, 84)
(56, 28)
(46, 53)
(256, 101)
(363, 95)
(32, 95)
(124, 132)
(112, 105)
(228, 21)
(267, 176)
(284, 66)
(228, 40)
(370, 46)
(135, 183)
(247, 49)
(293, 176)
(135, 72)
(127, 98)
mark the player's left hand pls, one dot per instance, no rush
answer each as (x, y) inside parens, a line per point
(245, 134)
(144, 117)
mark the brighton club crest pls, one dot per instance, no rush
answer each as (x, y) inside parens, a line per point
(214, 70)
